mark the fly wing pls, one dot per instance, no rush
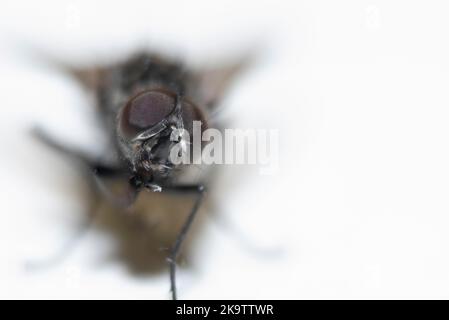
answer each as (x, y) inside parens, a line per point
(209, 85)
(90, 78)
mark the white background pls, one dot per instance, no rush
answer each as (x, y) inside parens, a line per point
(359, 92)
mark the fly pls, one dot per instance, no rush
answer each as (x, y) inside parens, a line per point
(143, 103)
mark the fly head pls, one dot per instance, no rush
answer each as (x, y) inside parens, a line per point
(149, 125)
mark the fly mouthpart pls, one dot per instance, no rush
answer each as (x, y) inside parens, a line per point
(153, 187)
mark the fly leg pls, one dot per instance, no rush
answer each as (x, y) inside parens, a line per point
(97, 168)
(69, 244)
(94, 172)
(175, 249)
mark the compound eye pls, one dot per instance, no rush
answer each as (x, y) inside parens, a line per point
(145, 110)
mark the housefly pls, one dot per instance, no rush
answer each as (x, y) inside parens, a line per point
(142, 102)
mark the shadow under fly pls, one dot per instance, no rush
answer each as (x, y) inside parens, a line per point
(141, 101)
